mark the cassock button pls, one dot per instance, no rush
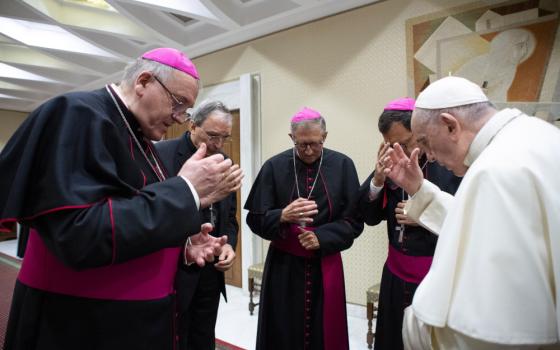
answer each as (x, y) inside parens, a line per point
(310, 179)
(309, 187)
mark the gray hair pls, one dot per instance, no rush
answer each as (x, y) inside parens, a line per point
(470, 113)
(136, 67)
(318, 121)
(139, 65)
(206, 108)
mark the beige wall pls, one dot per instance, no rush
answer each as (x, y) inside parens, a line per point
(9, 122)
(347, 66)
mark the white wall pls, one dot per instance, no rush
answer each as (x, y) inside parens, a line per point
(9, 122)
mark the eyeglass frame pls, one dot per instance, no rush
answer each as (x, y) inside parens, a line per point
(315, 146)
(213, 138)
(176, 104)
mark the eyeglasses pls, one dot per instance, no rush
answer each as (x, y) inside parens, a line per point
(214, 138)
(315, 146)
(179, 109)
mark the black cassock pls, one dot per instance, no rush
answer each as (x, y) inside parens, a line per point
(105, 233)
(291, 304)
(198, 289)
(415, 247)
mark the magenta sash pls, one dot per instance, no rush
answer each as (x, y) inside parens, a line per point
(335, 327)
(145, 278)
(408, 268)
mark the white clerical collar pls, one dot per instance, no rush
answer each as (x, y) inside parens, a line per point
(488, 131)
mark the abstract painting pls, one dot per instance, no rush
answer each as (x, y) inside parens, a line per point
(511, 49)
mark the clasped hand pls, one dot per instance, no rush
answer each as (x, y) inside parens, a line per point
(299, 211)
(400, 215)
(308, 239)
(226, 258)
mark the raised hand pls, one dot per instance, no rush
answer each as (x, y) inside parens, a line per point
(230, 183)
(205, 173)
(403, 171)
(203, 247)
(299, 211)
(379, 176)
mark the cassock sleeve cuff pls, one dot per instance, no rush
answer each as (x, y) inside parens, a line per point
(193, 191)
(428, 206)
(374, 191)
(185, 248)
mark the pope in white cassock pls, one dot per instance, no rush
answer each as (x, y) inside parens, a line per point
(493, 283)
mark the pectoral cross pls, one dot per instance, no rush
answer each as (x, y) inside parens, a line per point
(212, 216)
(400, 229)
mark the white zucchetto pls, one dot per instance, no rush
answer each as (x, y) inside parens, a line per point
(450, 92)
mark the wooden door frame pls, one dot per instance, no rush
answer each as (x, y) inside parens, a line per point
(244, 94)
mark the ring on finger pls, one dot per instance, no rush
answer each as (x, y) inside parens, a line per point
(300, 214)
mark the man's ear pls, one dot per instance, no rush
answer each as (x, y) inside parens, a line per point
(291, 136)
(325, 135)
(140, 83)
(451, 124)
(144, 78)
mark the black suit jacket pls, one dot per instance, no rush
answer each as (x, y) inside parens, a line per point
(174, 153)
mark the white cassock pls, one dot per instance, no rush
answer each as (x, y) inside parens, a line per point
(494, 280)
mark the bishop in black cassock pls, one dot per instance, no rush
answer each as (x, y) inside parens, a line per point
(199, 288)
(302, 202)
(106, 224)
(411, 247)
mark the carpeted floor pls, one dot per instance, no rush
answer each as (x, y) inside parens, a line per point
(9, 268)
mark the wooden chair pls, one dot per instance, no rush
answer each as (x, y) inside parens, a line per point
(372, 295)
(255, 279)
